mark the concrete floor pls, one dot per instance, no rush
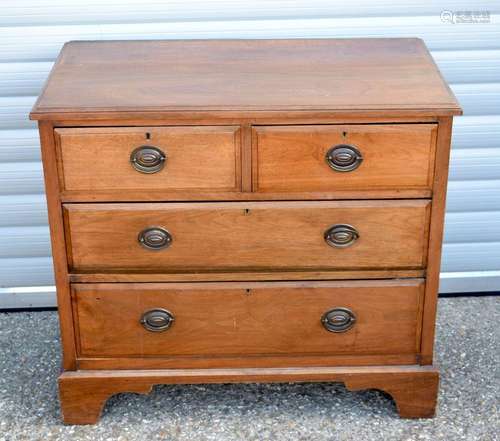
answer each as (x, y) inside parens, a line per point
(467, 351)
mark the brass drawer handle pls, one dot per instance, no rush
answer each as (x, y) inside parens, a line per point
(344, 158)
(155, 238)
(157, 320)
(338, 320)
(147, 159)
(341, 235)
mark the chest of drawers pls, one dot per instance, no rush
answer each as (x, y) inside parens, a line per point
(246, 211)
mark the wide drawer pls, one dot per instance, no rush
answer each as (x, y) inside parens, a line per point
(204, 158)
(324, 158)
(357, 317)
(180, 237)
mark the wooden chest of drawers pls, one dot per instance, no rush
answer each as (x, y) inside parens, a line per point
(246, 211)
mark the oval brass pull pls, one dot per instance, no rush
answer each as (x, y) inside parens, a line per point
(147, 159)
(341, 235)
(155, 238)
(157, 320)
(344, 158)
(338, 320)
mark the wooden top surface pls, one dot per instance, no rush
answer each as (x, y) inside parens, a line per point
(344, 75)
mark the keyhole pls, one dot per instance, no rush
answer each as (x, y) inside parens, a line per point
(148, 135)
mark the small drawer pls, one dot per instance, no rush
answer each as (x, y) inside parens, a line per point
(327, 158)
(204, 158)
(247, 236)
(281, 318)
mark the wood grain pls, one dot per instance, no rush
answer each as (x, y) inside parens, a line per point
(292, 158)
(248, 318)
(198, 159)
(247, 117)
(221, 276)
(247, 236)
(247, 195)
(58, 243)
(155, 195)
(83, 394)
(246, 157)
(436, 239)
(374, 75)
(243, 361)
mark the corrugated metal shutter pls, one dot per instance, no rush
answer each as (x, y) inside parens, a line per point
(32, 32)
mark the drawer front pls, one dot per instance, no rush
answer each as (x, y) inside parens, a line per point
(150, 158)
(343, 157)
(177, 237)
(368, 317)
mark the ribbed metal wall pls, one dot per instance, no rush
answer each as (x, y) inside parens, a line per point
(32, 33)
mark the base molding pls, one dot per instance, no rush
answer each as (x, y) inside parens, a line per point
(84, 393)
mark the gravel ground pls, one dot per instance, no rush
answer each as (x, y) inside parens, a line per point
(467, 352)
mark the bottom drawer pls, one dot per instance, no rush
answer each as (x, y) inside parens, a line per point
(248, 319)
